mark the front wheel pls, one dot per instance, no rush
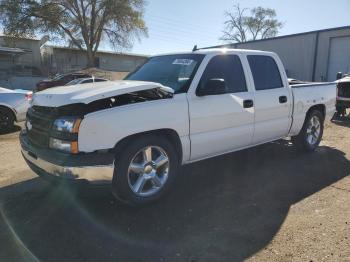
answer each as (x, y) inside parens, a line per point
(145, 170)
(311, 134)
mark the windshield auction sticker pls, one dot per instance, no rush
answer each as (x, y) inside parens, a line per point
(185, 62)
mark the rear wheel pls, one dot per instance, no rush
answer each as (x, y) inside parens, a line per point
(145, 170)
(6, 119)
(311, 134)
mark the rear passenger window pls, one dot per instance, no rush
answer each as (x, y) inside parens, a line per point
(229, 68)
(265, 72)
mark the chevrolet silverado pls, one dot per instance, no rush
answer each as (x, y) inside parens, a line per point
(173, 110)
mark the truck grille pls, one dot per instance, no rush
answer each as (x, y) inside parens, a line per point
(344, 90)
(41, 120)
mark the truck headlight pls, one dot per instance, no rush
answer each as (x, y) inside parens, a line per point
(65, 134)
(67, 125)
(63, 145)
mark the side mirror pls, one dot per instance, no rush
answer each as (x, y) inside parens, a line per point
(339, 75)
(215, 86)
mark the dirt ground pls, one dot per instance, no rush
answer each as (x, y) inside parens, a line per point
(268, 203)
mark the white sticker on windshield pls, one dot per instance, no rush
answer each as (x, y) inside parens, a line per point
(185, 62)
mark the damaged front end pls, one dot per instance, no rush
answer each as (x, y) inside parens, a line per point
(50, 138)
(41, 120)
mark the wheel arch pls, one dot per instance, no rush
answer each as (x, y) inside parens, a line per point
(300, 140)
(318, 107)
(170, 134)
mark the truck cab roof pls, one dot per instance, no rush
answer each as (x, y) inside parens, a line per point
(219, 51)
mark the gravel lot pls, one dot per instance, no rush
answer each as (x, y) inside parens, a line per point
(268, 203)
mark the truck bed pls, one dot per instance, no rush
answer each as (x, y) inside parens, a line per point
(308, 95)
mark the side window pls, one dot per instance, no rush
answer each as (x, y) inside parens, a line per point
(265, 72)
(229, 68)
(87, 81)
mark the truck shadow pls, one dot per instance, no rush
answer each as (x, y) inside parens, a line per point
(222, 209)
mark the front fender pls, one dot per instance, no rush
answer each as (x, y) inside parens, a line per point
(103, 129)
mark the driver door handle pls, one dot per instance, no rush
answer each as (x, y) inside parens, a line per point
(283, 99)
(248, 103)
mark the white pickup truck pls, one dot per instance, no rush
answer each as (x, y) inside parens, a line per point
(173, 110)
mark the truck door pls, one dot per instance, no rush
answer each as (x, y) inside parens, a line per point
(273, 99)
(221, 122)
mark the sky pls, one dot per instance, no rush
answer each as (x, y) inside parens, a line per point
(178, 25)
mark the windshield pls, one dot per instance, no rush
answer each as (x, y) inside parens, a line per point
(73, 82)
(175, 71)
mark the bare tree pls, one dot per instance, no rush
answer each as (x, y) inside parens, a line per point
(235, 26)
(83, 23)
(261, 24)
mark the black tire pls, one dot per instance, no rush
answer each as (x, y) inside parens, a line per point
(121, 187)
(7, 119)
(301, 140)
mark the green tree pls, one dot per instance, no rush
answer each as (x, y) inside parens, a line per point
(261, 24)
(82, 23)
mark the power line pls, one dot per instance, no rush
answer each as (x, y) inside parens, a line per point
(164, 28)
(184, 46)
(187, 40)
(173, 39)
(179, 22)
(185, 27)
(160, 24)
(182, 36)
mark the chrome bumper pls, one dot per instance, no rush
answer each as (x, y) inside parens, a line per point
(92, 174)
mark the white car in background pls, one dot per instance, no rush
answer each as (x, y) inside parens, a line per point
(14, 105)
(88, 80)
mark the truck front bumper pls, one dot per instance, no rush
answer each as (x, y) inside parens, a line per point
(93, 168)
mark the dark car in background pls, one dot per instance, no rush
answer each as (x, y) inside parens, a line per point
(59, 80)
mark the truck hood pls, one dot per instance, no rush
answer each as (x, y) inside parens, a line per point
(87, 93)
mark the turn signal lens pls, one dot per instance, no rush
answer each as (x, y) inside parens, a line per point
(74, 147)
(76, 125)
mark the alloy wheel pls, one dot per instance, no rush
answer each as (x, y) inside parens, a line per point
(313, 130)
(148, 171)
